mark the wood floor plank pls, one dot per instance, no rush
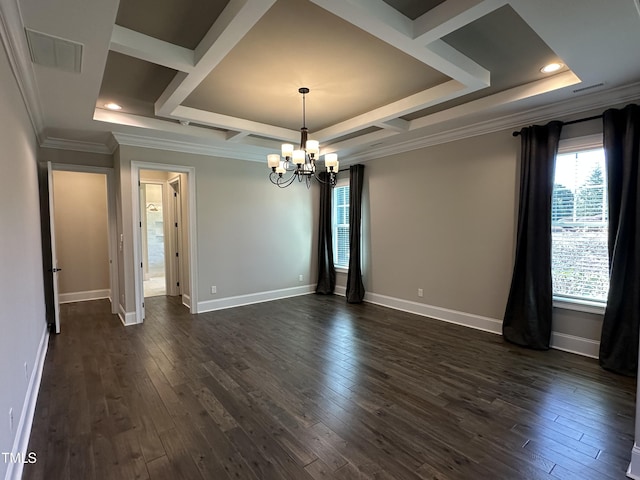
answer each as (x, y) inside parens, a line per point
(81, 459)
(235, 464)
(129, 456)
(179, 456)
(161, 469)
(314, 388)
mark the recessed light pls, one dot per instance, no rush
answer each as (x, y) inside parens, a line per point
(552, 67)
(113, 106)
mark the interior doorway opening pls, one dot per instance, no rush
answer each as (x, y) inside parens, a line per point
(164, 238)
(153, 238)
(179, 207)
(84, 240)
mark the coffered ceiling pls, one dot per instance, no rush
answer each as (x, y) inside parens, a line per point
(222, 76)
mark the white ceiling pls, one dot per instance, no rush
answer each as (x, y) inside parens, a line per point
(381, 82)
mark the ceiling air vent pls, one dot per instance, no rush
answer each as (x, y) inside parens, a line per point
(54, 52)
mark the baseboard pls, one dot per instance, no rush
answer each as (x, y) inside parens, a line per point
(559, 341)
(127, 318)
(478, 322)
(84, 296)
(186, 300)
(238, 301)
(114, 306)
(573, 344)
(23, 432)
(634, 466)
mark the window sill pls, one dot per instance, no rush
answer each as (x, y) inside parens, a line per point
(579, 305)
(342, 269)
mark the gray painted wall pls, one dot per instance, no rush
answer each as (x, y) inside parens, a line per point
(23, 318)
(443, 219)
(72, 157)
(252, 236)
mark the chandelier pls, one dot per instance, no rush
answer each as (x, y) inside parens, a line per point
(301, 163)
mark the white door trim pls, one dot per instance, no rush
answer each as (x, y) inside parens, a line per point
(136, 166)
(54, 254)
(112, 229)
(175, 238)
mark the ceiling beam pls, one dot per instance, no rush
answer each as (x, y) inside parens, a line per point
(451, 16)
(232, 123)
(377, 11)
(209, 148)
(236, 137)
(426, 98)
(238, 17)
(396, 124)
(373, 17)
(560, 80)
(149, 123)
(144, 47)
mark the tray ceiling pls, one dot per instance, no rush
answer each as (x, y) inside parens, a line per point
(226, 73)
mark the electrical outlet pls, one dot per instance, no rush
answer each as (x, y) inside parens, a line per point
(214, 289)
(300, 278)
(420, 292)
(11, 420)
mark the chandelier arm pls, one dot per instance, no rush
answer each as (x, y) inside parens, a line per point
(331, 181)
(281, 181)
(286, 183)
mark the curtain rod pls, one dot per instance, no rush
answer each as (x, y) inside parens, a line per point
(571, 122)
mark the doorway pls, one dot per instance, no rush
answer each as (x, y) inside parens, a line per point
(81, 200)
(164, 233)
(154, 247)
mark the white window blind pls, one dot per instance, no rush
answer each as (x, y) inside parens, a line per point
(341, 226)
(579, 219)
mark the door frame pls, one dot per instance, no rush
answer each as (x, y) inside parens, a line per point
(54, 254)
(174, 228)
(192, 294)
(112, 232)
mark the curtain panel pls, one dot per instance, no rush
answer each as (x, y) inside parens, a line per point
(620, 328)
(527, 318)
(326, 270)
(355, 287)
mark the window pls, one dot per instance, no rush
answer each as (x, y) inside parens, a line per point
(579, 219)
(340, 225)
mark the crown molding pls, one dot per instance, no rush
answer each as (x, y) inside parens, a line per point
(558, 110)
(112, 143)
(232, 151)
(555, 111)
(76, 145)
(15, 44)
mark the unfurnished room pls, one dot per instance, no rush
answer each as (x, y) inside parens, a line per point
(319, 239)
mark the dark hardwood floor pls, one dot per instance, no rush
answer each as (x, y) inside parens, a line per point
(311, 387)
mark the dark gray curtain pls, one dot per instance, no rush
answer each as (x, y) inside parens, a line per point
(527, 318)
(326, 270)
(619, 339)
(355, 287)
